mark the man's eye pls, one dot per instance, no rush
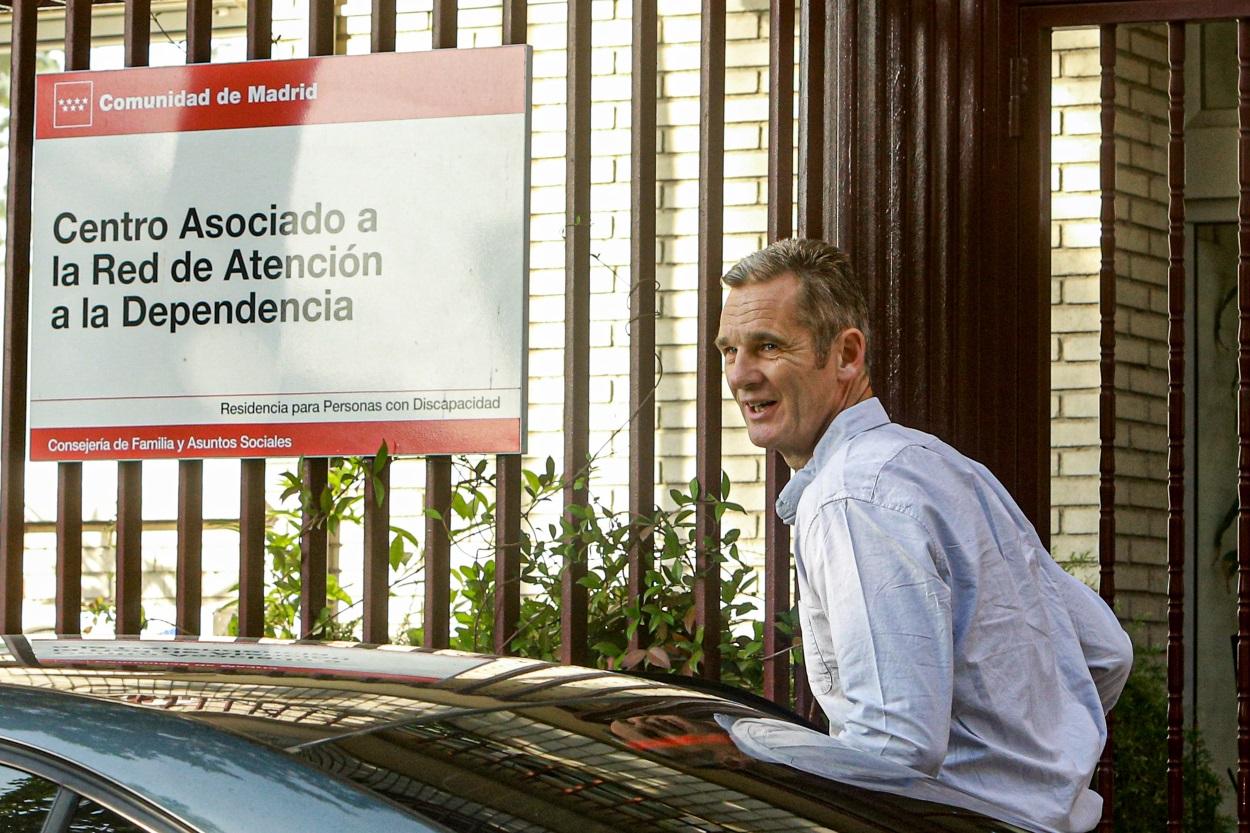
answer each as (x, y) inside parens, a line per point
(768, 346)
(730, 351)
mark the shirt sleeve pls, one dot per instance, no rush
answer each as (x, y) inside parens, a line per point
(1107, 648)
(874, 573)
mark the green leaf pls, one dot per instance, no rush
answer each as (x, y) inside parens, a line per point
(398, 555)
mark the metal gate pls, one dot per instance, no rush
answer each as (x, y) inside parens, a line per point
(1031, 95)
(321, 39)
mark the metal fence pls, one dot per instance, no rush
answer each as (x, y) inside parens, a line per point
(438, 469)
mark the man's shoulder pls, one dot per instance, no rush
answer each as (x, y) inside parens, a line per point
(890, 464)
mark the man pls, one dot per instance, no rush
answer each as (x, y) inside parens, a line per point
(938, 633)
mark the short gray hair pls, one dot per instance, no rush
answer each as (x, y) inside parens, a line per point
(830, 299)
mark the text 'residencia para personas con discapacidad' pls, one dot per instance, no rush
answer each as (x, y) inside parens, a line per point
(332, 250)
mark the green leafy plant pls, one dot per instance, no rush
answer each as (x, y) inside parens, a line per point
(1140, 733)
(1140, 749)
(341, 501)
(592, 536)
(103, 614)
(600, 539)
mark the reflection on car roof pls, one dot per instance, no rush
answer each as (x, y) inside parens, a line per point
(484, 745)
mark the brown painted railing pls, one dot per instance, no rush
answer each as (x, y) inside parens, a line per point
(314, 539)
(1176, 426)
(1106, 396)
(1243, 428)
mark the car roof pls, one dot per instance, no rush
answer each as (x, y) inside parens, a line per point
(300, 694)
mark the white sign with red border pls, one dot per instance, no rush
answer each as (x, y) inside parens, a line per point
(281, 258)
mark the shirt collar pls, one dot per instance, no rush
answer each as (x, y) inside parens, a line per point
(854, 420)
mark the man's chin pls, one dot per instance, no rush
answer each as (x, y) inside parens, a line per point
(760, 439)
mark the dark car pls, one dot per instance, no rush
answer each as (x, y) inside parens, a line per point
(262, 737)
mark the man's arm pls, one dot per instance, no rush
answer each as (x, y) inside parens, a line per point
(888, 608)
(1107, 648)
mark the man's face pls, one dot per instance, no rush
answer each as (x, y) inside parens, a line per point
(771, 363)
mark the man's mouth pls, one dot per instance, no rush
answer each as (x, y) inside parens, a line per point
(759, 407)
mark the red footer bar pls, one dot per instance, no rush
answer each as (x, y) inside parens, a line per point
(293, 439)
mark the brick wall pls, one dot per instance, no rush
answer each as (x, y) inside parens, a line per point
(1141, 314)
(1074, 295)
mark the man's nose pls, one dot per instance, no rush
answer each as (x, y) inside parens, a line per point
(742, 372)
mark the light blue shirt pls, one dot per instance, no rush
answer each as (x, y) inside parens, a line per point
(938, 633)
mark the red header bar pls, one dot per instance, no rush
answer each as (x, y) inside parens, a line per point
(292, 439)
(334, 90)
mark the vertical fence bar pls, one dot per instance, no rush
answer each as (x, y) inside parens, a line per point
(841, 100)
(259, 29)
(507, 550)
(437, 552)
(438, 468)
(199, 31)
(129, 547)
(251, 548)
(515, 22)
(813, 55)
(1106, 396)
(16, 320)
(377, 555)
(642, 302)
(188, 594)
(811, 119)
(780, 119)
(1243, 426)
(943, 128)
(251, 621)
(382, 26)
(708, 386)
(190, 571)
(129, 598)
(138, 32)
(445, 24)
(314, 534)
(77, 35)
(1176, 426)
(508, 485)
(321, 27)
(68, 548)
(314, 547)
(508, 466)
(377, 504)
(910, 95)
(780, 227)
(69, 475)
(573, 648)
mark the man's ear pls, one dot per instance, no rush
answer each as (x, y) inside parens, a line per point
(851, 349)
